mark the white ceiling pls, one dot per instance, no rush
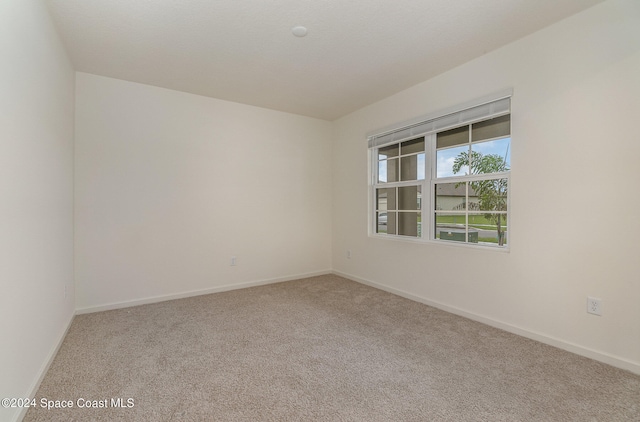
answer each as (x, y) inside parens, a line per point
(356, 51)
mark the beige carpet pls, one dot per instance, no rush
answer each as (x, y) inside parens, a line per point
(324, 349)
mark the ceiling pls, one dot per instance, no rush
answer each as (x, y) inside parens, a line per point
(356, 51)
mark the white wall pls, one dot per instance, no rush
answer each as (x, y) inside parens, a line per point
(170, 186)
(36, 202)
(574, 229)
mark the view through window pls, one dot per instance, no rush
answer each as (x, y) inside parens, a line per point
(450, 185)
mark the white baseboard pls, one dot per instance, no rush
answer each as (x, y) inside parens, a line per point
(217, 289)
(43, 370)
(603, 357)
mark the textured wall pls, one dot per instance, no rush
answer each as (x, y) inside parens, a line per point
(574, 155)
(36, 195)
(169, 186)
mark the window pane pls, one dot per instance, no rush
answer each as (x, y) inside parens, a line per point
(409, 166)
(408, 223)
(421, 166)
(413, 146)
(451, 196)
(381, 222)
(409, 197)
(386, 199)
(388, 170)
(493, 128)
(451, 227)
(491, 156)
(492, 227)
(386, 222)
(388, 152)
(446, 159)
(489, 195)
(452, 137)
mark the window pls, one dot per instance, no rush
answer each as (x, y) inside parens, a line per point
(445, 179)
(398, 199)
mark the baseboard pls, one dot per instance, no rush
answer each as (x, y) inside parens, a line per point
(43, 370)
(542, 338)
(217, 289)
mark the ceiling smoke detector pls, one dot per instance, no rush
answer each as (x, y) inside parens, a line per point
(299, 31)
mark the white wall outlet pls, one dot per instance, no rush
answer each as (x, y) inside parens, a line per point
(348, 253)
(234, 261)
(594, 306)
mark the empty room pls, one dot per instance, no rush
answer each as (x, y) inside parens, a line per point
(417, 210)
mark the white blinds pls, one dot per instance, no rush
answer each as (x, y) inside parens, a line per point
(481, 109)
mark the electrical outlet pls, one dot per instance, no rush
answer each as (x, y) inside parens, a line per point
(594, 306)
(348, 253)
(233, 261)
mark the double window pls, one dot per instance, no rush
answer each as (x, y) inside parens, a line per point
(445, 178)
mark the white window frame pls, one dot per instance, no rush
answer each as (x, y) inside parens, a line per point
(482, 109)
(398, 184)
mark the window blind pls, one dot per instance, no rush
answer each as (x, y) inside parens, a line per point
(481, 109)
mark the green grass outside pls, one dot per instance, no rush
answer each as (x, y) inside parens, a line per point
(477, 221)
(480, 239)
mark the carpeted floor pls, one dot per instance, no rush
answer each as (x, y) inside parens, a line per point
(322, 348)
